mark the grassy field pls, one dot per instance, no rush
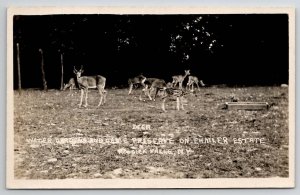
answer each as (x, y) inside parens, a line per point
(128, 138)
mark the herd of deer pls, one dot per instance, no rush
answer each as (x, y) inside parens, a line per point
(150, 85)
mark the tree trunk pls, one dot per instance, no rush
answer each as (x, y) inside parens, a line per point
(19, 69)
(62, 71)
(43, 71)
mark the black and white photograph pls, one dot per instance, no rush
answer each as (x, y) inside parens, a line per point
(162, 97)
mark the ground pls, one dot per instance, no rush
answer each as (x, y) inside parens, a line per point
(203, 141)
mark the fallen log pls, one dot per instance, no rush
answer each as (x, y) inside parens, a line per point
(247, 105)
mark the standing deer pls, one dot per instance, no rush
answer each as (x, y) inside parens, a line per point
(194, 80)
(90, 82)
(168, 91)
(179, 79)
(147, 85)
(171, 93)
(140, 79)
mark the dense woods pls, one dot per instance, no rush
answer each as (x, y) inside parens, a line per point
(220, 49)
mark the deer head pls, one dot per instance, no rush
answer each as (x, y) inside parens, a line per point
(187, 72)
(201, 83)
(78, 73)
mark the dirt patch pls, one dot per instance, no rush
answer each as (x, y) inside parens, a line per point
(54, 139)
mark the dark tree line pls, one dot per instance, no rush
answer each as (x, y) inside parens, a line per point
(217, 48)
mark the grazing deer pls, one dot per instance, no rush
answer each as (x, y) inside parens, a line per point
(171, 93)
(156, 85)
(71, 85)
(149, 81)
(138, 80)
(179, 79)
(169, 85)
(147, 88)
(168, 90)
(89, 82)
(194, 80)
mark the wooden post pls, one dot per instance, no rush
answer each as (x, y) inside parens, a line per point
(62, 71)
(19, 69)
(247, 105)
(43, 71)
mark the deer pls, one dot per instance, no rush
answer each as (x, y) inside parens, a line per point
(194, 80)
(171, 93)
(147, 84)
(178, 79)
(149, 81)
(155, 85)
(90, 82)
(138, 80)
(71, 85)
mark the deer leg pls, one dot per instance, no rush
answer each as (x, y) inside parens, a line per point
(140, 98)
(181, 98)
(101, 97)
(198, 87)
(156, 92)
(180, 85)
(86, 97)
(142, 91)
(149, 93)
(178, 103)
(176, 84)
(163, 105)
(70, 91)
(173, 83)
(149, 96)
(100, 101)
(81, 97)
(130, 88)
(104, 96)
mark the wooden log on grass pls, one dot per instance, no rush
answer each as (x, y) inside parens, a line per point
(246, 105)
